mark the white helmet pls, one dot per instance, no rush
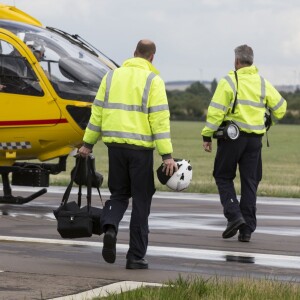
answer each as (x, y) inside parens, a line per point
(181, 179)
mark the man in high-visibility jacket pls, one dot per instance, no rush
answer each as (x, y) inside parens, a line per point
(131, 115)
(242, 97)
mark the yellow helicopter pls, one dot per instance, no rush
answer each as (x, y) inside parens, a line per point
(48, 81)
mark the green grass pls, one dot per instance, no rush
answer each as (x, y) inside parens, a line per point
(281, 161)
(214, 289)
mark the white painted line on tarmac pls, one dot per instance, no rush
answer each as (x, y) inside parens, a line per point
(115, 288)
(274, 260)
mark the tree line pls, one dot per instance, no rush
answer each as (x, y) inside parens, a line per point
(192, 103)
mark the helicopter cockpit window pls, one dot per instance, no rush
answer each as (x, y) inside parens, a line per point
(16, 74)
(74, 72)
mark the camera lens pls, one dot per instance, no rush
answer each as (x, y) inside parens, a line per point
(233, 131)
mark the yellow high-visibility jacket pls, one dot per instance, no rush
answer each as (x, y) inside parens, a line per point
(253, 96)
(131, 108)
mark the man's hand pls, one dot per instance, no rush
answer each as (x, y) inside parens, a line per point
(84, 151)
(207, 146)
(170, 166)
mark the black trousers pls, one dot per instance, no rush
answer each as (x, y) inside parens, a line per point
(244, 152)
(130, 174)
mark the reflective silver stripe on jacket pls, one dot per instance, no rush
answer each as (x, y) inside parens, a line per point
(108, 84)
(93, 127)
(211, 126)
(157, 108)
(263, 90)
(250, 127)
(139, 108)
(147, 90)
(248, 102)
(218, 106)
(124, 107)
(136, 136)
(230, 82)
(277, 105)
(163, 135)
(98, 103)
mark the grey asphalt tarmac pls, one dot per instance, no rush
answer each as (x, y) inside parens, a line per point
(185, 239)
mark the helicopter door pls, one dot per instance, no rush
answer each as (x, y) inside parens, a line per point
(24, 98)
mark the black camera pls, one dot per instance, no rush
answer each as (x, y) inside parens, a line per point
(228, 130)
(268, 119)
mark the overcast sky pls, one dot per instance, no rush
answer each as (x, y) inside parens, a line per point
(195, 39)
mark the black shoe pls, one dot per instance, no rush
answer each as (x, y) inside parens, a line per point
(233, 227)
(137, 264)
(244, 237)
(109, 246)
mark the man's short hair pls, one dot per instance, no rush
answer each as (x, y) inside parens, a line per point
(145, 48)
(244, 54)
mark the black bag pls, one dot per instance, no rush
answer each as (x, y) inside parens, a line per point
(95, 213)
(82, 174)
(74, 221)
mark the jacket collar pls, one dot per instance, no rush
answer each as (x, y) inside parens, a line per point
(246, 70)
(141, 63)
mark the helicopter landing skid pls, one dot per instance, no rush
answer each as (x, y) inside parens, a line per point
(8, 198)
